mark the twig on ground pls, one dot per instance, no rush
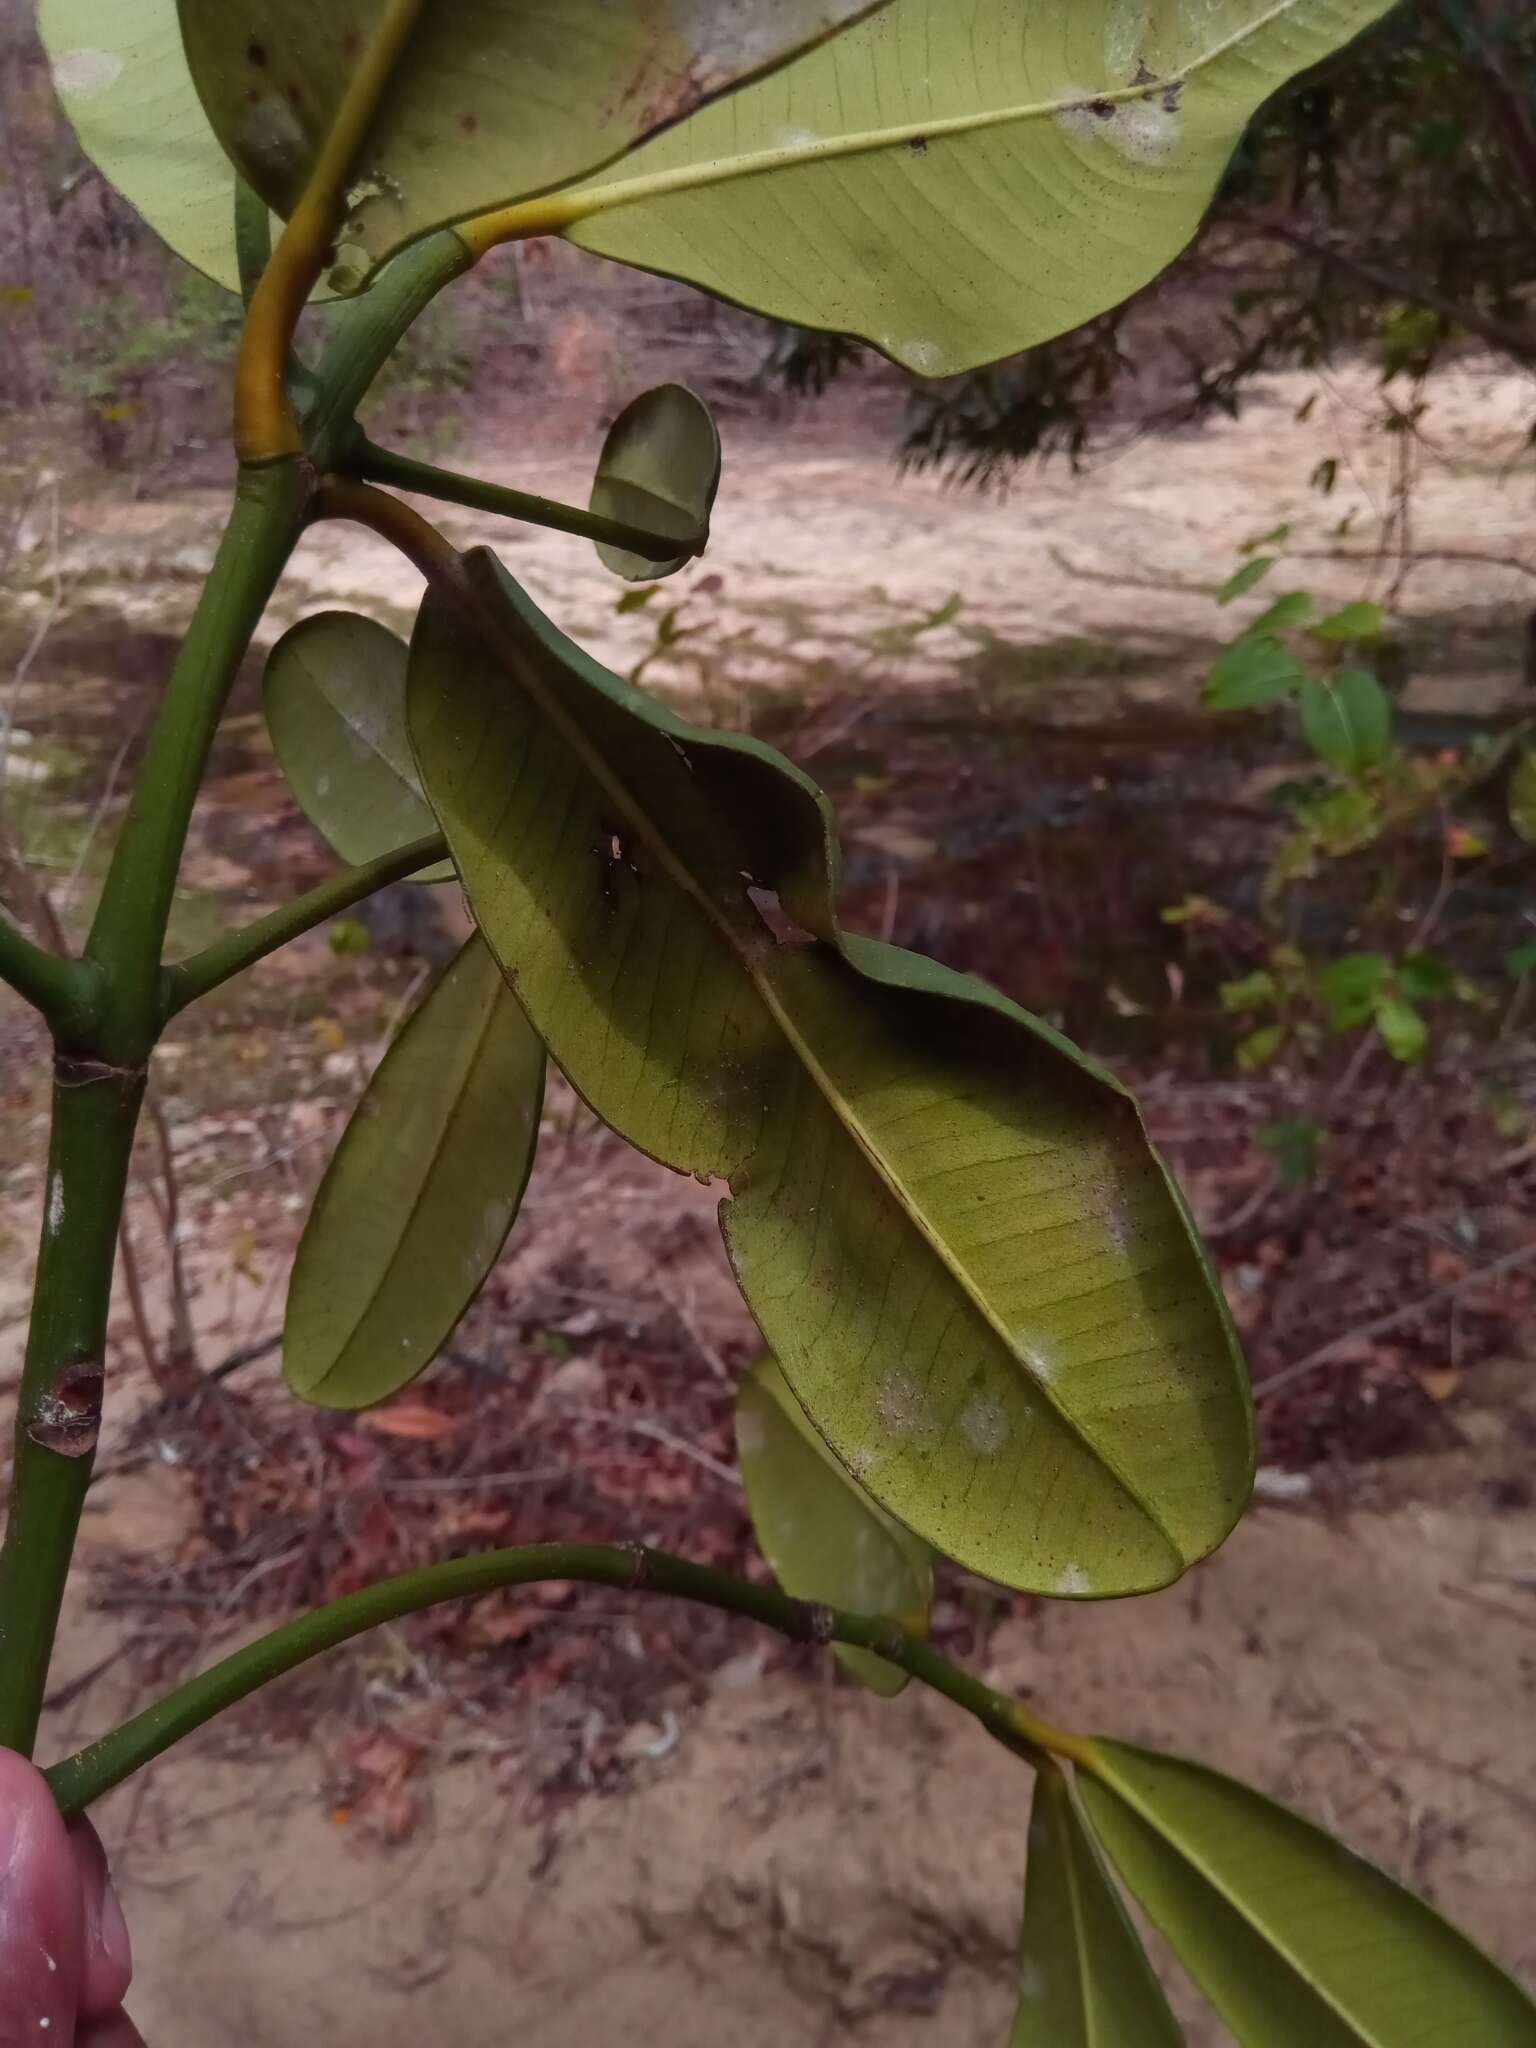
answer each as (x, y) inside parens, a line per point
(1288, 1375)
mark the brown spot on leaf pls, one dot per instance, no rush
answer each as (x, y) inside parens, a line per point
(469, 123)
(256, 53)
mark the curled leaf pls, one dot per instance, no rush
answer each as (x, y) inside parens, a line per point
(659, 469)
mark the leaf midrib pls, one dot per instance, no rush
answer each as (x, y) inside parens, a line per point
(526, 672)
(556, 212)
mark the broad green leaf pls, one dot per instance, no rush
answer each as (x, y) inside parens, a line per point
(823, 1535)
(1243, 580)
(122, 78)
(1403, 1030)
(1520, 960)
(1423, 975)
(1346, 720)
(1361, 621)
(1085, 1980)
(1522, 797)
(334, 695)
(423, 1188)
(1351, 986)
(1297, 1942)
(493, 99)
(1294, 609)
(1252, 671)
(970, 1264)
(956, 180)
(659, 469)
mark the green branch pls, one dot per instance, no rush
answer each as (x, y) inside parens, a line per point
(52, 984)
(80, 1779)
(58, 1408)
(364, 332)
(383, 466)
(203, 972)
(128, 934)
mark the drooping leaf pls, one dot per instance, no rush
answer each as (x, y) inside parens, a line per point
(491, 100)
(1242, 580)
(1362, 621)
(122, 78)
(949, 1224)
(1346, 720)
(1297, 1942)
(1294, 609)
(1085, 1980)
(823, 1535)
(419, 1197)
(1522, 797)
(955, 183)
(334, 695)
(659, 469)
(1252, 671)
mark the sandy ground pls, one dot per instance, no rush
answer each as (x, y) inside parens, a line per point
(802, 1863)
(806, 1864)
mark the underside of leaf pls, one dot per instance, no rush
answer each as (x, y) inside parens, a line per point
(949, 1225)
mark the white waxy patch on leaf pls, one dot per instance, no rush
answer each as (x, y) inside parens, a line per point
(56, 1205)
(901, 1405)
(83, 74)
(985, 1423)
(1073, 1581)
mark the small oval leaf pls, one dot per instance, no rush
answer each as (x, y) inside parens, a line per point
(334, 695)
(492, 99)
(659, 469)
(823, 1535)
(1296, 1941)
(1252, 671)
(1346, 720)
(1085, 1981)
(417, 1202)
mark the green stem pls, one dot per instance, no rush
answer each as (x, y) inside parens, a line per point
(59, 1406)
(365, 332)
(193, 978)
(129, 930)
(84, 1777)
(60, 989)
(383, 466)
